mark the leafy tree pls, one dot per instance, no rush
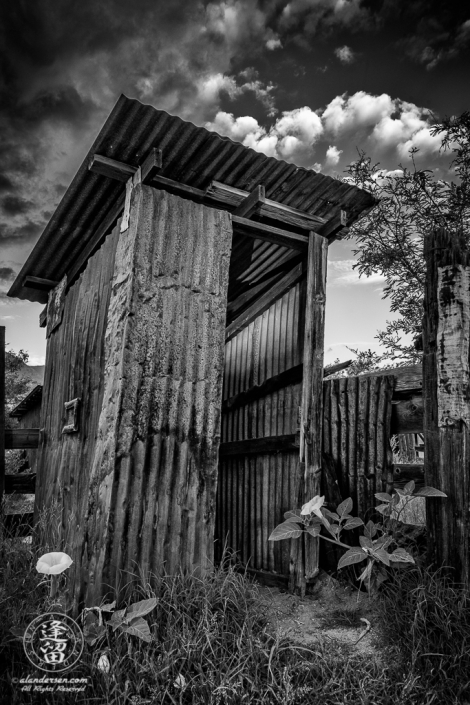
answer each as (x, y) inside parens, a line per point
(390, 238)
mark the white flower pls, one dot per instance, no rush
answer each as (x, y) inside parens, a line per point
(53, 563)
(180, 681)
(313, 507)
(103, 663)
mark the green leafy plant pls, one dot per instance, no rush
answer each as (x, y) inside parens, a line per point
(377, 546)
(129, 620)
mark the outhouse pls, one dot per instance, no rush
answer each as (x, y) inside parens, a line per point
(184, 282)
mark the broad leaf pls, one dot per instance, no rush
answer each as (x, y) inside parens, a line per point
(292, 513)
(385, 509)
(353, 523)
(334, 530)
(409, 487)
(399, 555)
(138, 627)
(381, 555)
(370, 529)
(314, 530)
(117, 619)
(330, 515)
(395, 499)
(365, 542)
(139, 609)
(286, 530)
(354, 555)
(429, 492)
(93, 632)
(345, 507)
(108, 608)
(383, 496)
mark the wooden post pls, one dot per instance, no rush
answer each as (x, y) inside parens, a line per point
(2, 413)
(446, 373)
(305, 557)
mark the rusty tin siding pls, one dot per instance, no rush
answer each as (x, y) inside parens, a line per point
(74, 369)
(255, 490)
(356, 431)
(154, 474)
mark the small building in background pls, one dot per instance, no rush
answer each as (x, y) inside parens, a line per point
(27, 414)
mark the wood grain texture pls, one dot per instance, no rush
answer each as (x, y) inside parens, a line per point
(446, 399)
(307, 554)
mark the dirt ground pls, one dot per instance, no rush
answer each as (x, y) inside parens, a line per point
(333, 612)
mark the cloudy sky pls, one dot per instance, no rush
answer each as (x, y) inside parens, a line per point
(308, 81)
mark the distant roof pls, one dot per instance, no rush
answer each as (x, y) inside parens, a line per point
(191, 155)
(33, 398)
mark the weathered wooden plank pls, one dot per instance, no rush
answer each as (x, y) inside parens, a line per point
(408, 379)
(404, 472)
(252, 203)
(269, 233)
(312, 398)
(270, 209)
(43, 317)
(264, 302)
(266, 444)
(334, 226)
(17, 438)
(111, 168)
(446, 366)
(22, 483)
(353, 400)
(39, 283)
(2, 412)
(151, 166)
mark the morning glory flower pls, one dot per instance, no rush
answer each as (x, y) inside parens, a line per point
(53, 563)
(313, 507)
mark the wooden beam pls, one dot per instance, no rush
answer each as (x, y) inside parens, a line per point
(446, 367)
(111, 168)
(264, 302)
(38, 283)
(267, 444)
(252, 203)
(305, 555)
(333, 369)
(21, 483)
(274, 210)
(17, 438)
(333, 227)
(43, 317)
(269, 233)
(2, 413)
(404, 472)
(151, 165)
(219, 199)
(409, 379)
(290, 376)
(96, 239)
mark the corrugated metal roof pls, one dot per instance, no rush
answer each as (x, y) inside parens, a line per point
(191, 155)
(30, 400)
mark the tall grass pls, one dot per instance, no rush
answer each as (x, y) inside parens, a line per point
(212, 644)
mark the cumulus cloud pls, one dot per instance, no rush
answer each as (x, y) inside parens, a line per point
(292, 137)
(345, 54)
(332, 156)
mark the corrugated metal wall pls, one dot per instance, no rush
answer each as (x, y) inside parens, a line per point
(356, 430)
(255, 490)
